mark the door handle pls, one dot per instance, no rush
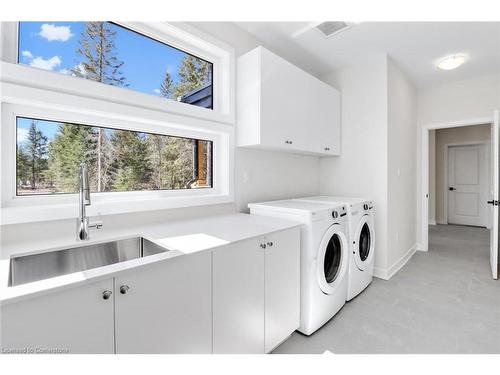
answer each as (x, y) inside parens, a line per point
(451, 188)
(493, 202)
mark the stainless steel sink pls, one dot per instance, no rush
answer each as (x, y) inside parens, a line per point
(28, 268)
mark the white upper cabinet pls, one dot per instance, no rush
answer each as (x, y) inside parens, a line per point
(281, 107)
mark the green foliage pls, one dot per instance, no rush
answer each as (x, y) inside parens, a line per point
(131, 170)
(72, 145)
(193, 73)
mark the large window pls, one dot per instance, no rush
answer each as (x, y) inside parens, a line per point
(49, 154)
(109, 53)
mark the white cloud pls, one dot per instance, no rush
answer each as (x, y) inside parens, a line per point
(22, 134)
(157, 91)
(55, 33)
(65, 71)
(27, 54)
(49, 64)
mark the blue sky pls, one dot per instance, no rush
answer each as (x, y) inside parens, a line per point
(52, 46)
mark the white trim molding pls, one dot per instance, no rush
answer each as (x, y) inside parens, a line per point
(423, 225)
(387, 273)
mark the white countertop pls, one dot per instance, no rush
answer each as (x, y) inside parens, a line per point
(180, 237)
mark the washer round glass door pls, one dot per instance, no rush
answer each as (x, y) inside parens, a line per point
(363, 249)
(332, 259)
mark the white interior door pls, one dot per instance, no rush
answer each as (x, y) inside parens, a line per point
(495, 180)
(467, 185)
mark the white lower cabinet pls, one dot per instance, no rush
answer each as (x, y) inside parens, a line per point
(256, 295)
(282, 286)
(165, 307)
(238, 282)
(239, 298)
(75, 320)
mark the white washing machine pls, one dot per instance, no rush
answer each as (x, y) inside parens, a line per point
(360, 214)
(324, 256)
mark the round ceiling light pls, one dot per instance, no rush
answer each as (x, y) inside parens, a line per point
(451, 62)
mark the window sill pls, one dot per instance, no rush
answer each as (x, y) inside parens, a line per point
(37, 213)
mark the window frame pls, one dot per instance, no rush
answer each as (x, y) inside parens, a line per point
(17, 117)
(31, 92)
(178, 35)
(29, 208)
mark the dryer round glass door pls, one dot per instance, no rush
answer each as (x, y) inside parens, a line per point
(332, 259)
(364, 243)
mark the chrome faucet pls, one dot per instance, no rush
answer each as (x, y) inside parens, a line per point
(82, 222)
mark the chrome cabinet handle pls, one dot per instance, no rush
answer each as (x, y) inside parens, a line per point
(270, 243)
(124, 289)
(106, 294)
(263, 245)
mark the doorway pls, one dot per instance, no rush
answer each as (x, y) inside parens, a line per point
(460, 181)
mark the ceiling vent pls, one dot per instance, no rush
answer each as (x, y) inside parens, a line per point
(331, 28)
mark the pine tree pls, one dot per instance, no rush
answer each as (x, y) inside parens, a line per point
(131, 169)
(178, 163)
(72, 145)
(193, 74)
(98, 50)
(156, 145)
(101, 64)
(36, 151)
(167, 86)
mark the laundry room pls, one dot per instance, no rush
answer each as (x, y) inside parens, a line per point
(249, 185)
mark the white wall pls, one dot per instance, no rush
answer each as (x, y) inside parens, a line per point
(378, 159)
(402, 125)
(453, 102)
(264, 175)
(361, 170)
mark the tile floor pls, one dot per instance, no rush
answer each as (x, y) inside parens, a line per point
(442, 301)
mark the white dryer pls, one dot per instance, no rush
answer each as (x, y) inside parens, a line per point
(324, 256)
(362, 239)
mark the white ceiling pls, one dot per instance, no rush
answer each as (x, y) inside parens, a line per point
(414, 46)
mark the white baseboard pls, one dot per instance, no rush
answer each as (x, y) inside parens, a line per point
(386, 274)
(432, 222)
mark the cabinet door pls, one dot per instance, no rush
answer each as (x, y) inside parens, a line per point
(238, 304)
(166, 307)
(324, 119)
(282, 301)
(74, 320)
(283, 106)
